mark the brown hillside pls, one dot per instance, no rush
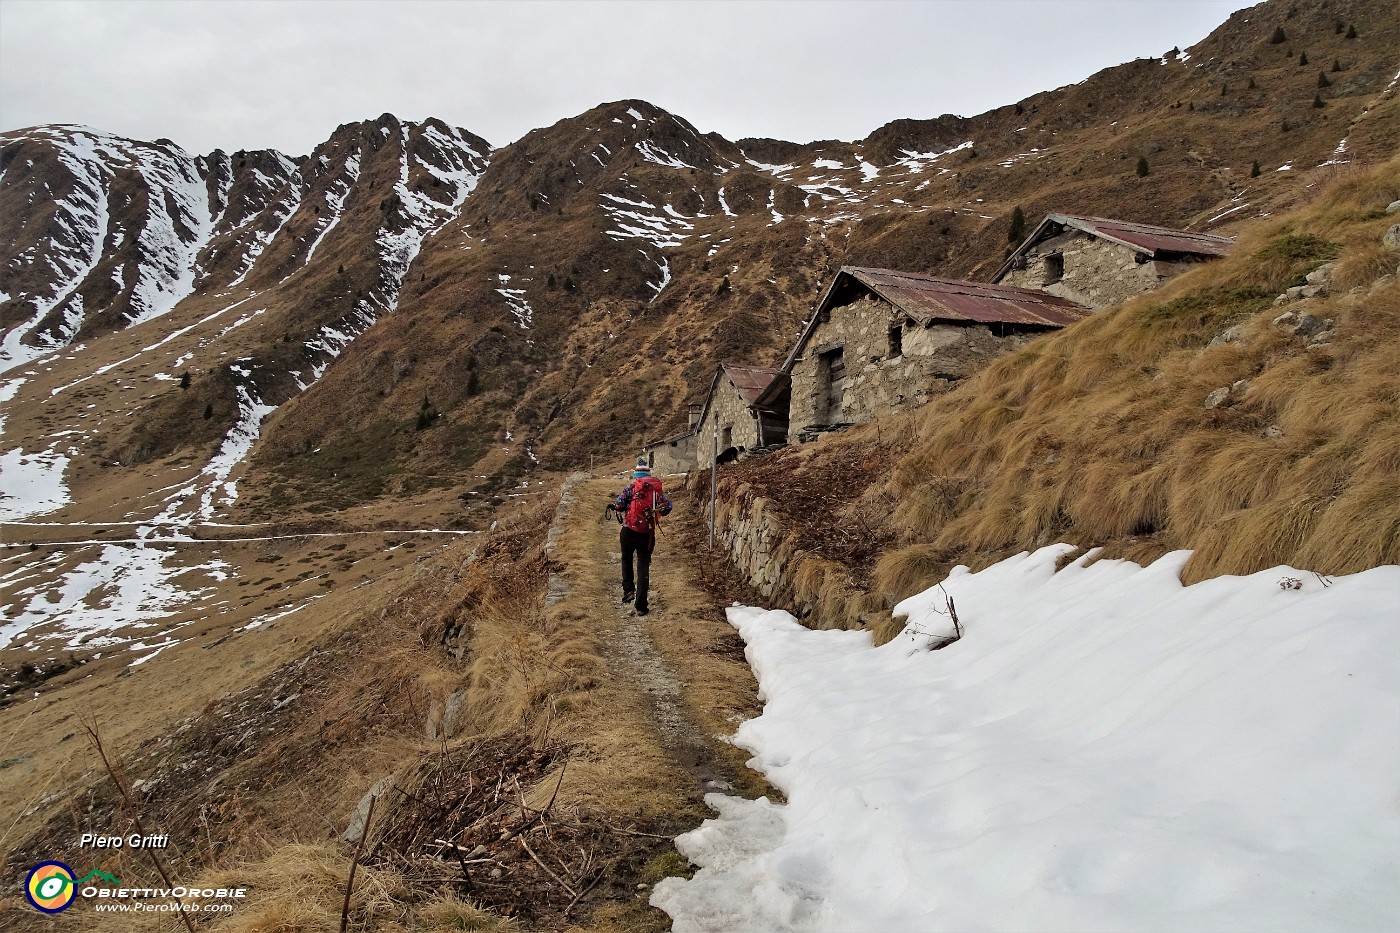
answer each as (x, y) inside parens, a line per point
(606, 366)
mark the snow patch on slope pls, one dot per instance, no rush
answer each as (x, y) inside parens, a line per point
(31, 484)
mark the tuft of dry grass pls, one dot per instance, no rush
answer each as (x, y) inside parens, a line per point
(299, 888)
(451, 913)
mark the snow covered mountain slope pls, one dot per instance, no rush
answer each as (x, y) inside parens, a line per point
(138, 408)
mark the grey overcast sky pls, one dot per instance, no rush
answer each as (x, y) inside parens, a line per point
(250, 74)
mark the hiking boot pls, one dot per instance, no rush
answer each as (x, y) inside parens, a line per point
(642, 610)
(628, 596)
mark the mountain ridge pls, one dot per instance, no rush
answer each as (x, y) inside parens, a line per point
(567, 293)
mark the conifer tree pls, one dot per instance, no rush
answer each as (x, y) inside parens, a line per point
(426, 413)
(1302, 59)
(1351, 32)
(1317, 102)
(1254, 171)
(185, 380)
(1142, 169)
(1336, 65)
(1322, 80)
(208, 411)
(1279, 37)
(1017, 233)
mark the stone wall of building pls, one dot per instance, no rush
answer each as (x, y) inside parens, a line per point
(878, 379)
(677, 455)
(737, 425)
(1096, 273)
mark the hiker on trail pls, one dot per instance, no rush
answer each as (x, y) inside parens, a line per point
(641, 503)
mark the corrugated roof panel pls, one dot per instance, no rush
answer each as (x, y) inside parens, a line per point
(749, 380)
(928, 298)
(1152, 238)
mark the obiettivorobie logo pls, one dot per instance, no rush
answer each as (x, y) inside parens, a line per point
(51, 887)
(99, 875)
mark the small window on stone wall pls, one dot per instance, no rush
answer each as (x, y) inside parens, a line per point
(896, 341)
(1054, 268)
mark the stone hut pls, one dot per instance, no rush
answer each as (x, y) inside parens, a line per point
(882, 340)
(676, 454)
(1099, 262)
(732, 413)
(672, 454)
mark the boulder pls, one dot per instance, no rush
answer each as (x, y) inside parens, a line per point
(1310, 325)
(357, 819)
(1218, 397)
(1391, 240)
(1322, 275)
(1228, 335)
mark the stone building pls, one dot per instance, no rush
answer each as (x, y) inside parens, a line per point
(882, 340)
(1098, 262)
(732, 413)
(730, 416)
(672, 454)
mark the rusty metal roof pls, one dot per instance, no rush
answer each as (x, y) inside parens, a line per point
(1151, 241)
(927, 298)
(750, 381)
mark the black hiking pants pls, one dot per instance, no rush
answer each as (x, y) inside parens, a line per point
(640, 543)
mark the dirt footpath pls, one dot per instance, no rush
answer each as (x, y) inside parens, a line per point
(682, 664)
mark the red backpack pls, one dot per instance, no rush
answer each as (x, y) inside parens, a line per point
(641, 510)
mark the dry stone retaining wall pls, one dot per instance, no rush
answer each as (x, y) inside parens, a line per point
(816, 590)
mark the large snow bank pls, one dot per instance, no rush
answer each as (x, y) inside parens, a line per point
(1104, 750)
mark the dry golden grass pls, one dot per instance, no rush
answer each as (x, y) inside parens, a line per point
(301, 889)
(452, 913)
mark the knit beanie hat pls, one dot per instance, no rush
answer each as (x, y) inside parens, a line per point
(642, 468)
